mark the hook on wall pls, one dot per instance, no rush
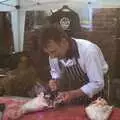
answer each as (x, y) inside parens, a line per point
(89, 2)
(17, 7)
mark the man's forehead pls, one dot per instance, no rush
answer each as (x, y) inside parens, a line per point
(51, 46)
(52, 43)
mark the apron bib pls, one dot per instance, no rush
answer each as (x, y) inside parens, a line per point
(73, 77)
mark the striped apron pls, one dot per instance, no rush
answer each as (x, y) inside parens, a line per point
(73, 77)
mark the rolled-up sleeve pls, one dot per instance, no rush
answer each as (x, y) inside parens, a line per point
(54, 68)
(95, 73)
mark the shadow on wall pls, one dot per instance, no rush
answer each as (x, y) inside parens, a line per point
(38, 59)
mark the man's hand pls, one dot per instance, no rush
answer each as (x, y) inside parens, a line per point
(69, 95)
(53, 84)
(64, 96)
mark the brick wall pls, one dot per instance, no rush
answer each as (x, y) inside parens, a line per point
(104, 34)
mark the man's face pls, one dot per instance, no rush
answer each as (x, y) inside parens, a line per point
(57, 49)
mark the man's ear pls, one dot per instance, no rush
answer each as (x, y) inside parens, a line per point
(64, 41)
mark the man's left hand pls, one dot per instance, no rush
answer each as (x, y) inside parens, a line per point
(64, 96)
(67, 96)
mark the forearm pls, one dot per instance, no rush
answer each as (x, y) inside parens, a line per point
(92, 88)
(77, 93)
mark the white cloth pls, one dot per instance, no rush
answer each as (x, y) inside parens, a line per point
(91, 61)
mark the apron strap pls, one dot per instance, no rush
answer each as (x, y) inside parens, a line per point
(76, 55)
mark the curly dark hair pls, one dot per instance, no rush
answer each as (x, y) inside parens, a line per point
(52, 32)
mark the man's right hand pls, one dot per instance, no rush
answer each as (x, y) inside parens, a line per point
(53, 84)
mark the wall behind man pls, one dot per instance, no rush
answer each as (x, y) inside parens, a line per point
(106, 34)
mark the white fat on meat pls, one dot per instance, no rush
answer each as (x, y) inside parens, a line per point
(36, 104)
(99, 110)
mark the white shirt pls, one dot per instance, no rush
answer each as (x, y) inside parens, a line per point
(91, 61)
